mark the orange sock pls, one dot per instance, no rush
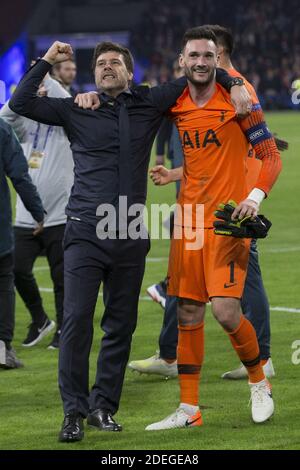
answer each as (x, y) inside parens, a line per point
(190, 353)
(244, 341)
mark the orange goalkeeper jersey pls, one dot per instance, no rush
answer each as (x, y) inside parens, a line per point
(216, 148)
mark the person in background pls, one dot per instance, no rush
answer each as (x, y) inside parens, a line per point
(14, 166)
(49, 157)
(65, 74)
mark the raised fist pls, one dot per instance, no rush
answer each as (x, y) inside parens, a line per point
(58, 52)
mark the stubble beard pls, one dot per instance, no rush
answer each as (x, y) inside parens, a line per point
(200, 85)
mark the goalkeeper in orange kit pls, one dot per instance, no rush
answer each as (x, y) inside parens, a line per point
(215, 149)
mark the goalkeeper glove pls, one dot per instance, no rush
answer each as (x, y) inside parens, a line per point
(248, 227)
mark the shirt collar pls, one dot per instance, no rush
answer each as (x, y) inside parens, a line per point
(107, 98)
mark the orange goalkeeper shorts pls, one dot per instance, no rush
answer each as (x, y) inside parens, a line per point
(218, 269)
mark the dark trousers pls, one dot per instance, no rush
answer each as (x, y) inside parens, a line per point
(27, 248)
(255, 306)
(168, 337)
(7, 299)
(120, 265)
(255, 303)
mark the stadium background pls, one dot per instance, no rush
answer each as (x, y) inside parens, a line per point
(267, 38)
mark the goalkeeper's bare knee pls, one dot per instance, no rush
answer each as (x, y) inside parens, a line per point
(227, 311)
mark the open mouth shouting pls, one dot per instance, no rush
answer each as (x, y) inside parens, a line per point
(108, 76)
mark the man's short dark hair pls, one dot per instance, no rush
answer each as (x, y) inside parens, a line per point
(107, 46)
(224, 37)
(199, 32)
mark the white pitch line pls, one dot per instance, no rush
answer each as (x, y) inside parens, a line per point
(146, 298)
(288, 249)
(285, 309)
(49, 290)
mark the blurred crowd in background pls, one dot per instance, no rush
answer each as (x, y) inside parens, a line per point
(266, 32)
(267, 40)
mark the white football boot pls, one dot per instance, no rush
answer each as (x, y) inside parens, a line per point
(262, 401)
(155, 365)
(179, 419)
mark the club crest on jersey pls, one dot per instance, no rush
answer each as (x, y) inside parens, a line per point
(192, 139)
(222, 117)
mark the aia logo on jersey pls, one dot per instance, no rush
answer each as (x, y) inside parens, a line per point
(192, 139)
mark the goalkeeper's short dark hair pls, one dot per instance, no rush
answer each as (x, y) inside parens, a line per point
(224, 37)
(199, 32)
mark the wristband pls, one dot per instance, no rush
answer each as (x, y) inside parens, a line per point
(257, 195)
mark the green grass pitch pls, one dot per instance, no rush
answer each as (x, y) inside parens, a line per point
(31, 412)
